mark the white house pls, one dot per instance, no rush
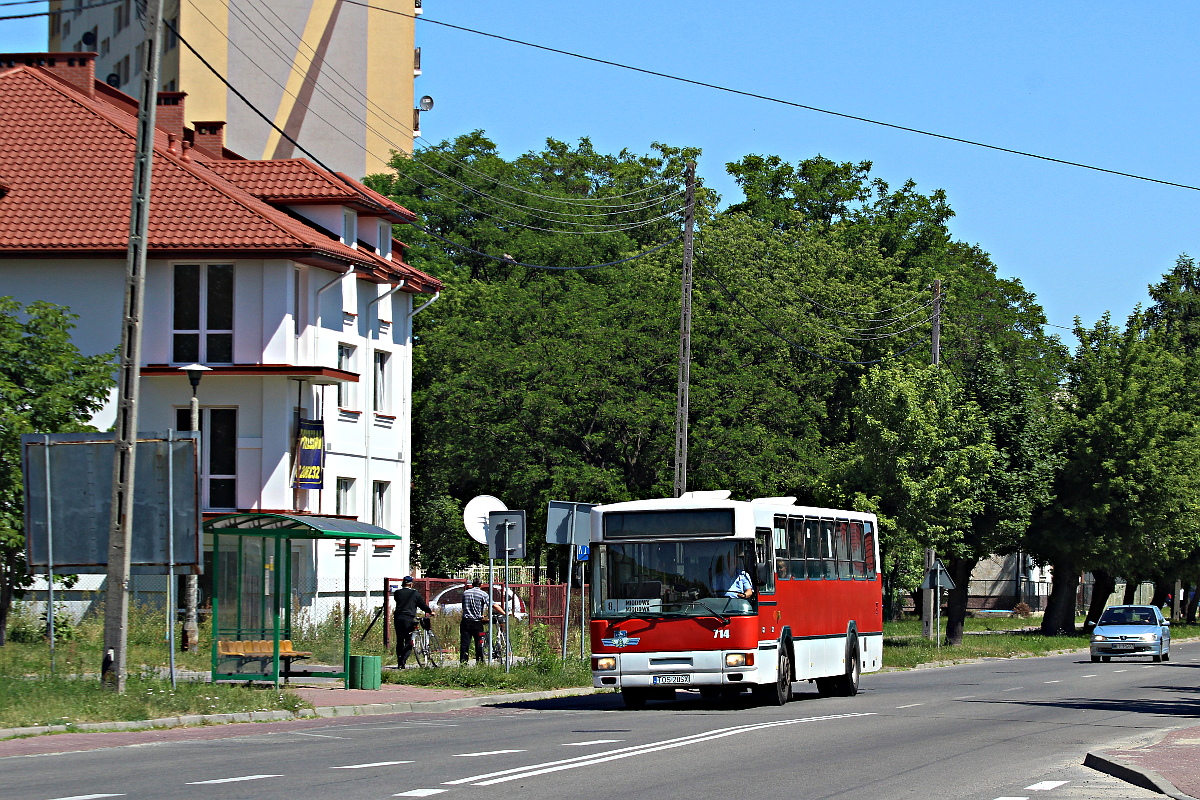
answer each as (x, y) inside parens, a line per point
(282, 277)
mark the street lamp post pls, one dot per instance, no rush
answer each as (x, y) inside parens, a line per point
(191, 585)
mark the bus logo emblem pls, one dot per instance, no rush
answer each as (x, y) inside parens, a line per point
(622, 639)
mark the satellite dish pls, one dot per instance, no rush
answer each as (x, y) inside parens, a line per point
(113, 80)
(88, 38)
(426, 104)
(475, 515)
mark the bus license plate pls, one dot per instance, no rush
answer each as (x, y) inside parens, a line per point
(1122, 647)
(661, 679)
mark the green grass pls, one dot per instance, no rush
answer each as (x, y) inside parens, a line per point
(523, 677)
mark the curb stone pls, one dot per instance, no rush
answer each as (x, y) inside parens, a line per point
(1138, 776)
(427, 706)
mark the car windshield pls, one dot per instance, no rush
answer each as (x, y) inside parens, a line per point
(1128, 616)
(669, 579)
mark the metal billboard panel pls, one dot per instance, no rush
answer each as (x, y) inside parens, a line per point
(508, 525)
(80, 500)
(559, 518)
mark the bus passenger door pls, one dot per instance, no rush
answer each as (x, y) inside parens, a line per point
(764, 562)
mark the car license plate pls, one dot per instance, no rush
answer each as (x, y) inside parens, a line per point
(661, 679)
(1122, 647)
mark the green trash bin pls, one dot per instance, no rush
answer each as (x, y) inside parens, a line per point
(365, 672)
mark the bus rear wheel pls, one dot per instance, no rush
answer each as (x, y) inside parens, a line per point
(779, 692)
(843, 685)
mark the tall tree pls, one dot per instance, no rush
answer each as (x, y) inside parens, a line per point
(46, 386)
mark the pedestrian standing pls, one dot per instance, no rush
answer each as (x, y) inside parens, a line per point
(408, 600)
(474, 606)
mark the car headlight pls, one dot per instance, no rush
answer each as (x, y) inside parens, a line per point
(1148, 637)
(1099, 639)
(739, 660)
(604, 663)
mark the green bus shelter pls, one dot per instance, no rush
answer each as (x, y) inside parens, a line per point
(252, 590)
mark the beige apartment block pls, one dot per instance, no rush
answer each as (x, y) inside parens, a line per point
(335, 76)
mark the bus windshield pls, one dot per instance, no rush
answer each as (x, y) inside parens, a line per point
(674, 579)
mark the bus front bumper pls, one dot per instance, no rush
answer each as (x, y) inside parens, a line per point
(680, 670)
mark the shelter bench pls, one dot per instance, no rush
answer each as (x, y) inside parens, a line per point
(260, 650)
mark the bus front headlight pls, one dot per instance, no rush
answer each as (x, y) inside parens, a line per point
(604, 663)
(739, 659)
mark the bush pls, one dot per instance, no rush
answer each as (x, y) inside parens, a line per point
(1022, 610)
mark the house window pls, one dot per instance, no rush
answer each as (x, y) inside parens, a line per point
(122, 70)
(350, 227)
(385, 239)
(137, 59)
(218, 455)
(345, 362)
(344, 506)
(104, 46)
(203, 314)
(171, 40)
(379, 503)
(380, 381)
(121, 16)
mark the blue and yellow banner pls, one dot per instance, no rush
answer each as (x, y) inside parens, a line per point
(310, 455)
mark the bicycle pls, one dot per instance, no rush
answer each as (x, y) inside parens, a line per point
(426, 647)
(499, 647)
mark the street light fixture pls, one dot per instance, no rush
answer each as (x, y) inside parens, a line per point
(191, 583)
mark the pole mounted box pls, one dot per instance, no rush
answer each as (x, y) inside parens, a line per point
(506, 534)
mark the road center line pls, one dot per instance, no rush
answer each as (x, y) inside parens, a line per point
(488, 753)
(320, 735)
(232, 780)
(1051, 681)
(1014, 688)
(518, 773)
(88, 796)
(1120, 670)
(1012, 798)
(964, 697)
(376, 764)
(1087, 676)
(593, 741)
(420, 792)
(911, 705)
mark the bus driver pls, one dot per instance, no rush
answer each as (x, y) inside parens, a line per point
(736, 584)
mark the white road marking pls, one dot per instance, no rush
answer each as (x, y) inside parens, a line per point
(1015, 688)
(1012, 798)
(376, 764)
(911, 705)
(420, 792)
(88, 796)
(1088, 676)
(1051, 681)
(488, 753)
(320, 735)
(1120, 670)
(1148, 666)
(593, 741)
(520, 773)
(233, 780)
(1045, 786)
(964, 697)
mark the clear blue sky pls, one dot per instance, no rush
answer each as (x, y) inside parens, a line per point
(1106, 84)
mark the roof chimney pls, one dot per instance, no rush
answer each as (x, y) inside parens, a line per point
(210, 137)
(77, 69)
(169, 116)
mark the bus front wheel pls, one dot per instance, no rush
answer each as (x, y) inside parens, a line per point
(779, 692)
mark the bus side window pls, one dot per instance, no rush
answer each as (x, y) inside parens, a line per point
(796, 553)
(841, 543)
(812, 548)
(869, 548)
(764, 563)
(781, 548)
(856, 550)
(828, 558)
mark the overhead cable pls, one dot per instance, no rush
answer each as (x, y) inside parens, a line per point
(770, 99)
(461, 246)
(58, 11)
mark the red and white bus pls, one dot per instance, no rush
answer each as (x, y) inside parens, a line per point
(672, 605)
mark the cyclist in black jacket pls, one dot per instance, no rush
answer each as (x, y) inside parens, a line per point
(408, 600)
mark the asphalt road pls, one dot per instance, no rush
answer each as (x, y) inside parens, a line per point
(1013, 728)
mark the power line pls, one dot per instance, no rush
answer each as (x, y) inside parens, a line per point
(541, 266)
(781, 101)
(352, 89)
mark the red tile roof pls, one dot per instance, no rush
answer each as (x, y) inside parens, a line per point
(67, 160)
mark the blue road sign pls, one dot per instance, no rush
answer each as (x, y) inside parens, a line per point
(584, 551)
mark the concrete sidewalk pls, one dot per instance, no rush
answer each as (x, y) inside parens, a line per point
(1169, 765)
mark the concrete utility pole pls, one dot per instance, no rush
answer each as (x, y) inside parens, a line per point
(116, 602)
(929, 597)
(685, 333)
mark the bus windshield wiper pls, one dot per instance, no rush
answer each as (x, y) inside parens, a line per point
(693, 603)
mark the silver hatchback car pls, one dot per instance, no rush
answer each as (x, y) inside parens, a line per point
(1131, 631)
